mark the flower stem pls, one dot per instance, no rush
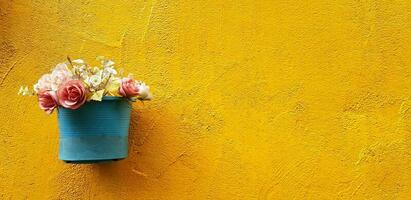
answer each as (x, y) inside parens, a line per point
(105, 85)
(68, 58)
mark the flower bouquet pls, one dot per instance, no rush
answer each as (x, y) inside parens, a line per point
(93, 105)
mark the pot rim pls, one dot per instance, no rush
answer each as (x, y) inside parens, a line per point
(105, 98)
(112, 98)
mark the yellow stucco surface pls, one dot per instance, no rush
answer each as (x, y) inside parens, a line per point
(253, 99)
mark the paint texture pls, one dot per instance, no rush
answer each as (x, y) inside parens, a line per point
(253, 99)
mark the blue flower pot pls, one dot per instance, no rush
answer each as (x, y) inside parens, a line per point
(96, 132)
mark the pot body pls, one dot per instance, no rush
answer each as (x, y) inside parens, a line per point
(96, 132)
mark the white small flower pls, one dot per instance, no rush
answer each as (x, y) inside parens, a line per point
(75, 69)
(36, 87)
(82, 68)
(24, 90)
(144, 91)
(95, 80)
(109, 71)
(108, 63)
(84, 75)
(86, 80)
(78, 62)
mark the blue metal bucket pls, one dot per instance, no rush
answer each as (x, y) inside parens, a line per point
(96, 132)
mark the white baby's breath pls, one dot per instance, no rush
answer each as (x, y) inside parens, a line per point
(98, 81)
(45, 82)
(60, 66)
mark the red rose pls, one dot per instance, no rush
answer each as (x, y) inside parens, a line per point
(47, 100)
(71, 94)
(128, 88)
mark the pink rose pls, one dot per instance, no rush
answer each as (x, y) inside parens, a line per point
(71, 94)
(47, 100)
(128, 88)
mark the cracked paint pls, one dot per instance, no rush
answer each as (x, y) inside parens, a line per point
(253, 99)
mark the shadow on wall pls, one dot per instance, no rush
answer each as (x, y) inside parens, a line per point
(156, 143)
(165, 154)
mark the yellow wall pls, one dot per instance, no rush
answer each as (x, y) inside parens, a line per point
(253, 99)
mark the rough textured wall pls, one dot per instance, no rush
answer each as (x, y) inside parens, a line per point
(253, 99)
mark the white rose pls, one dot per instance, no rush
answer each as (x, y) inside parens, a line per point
(95, 80)
(144, 91)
